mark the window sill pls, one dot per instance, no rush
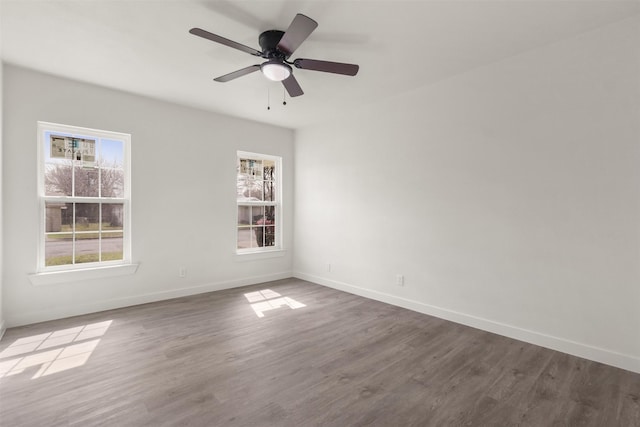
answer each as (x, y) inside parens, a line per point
(57, 277)
(252, 256)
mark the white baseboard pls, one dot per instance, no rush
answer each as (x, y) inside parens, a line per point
(624, 361)
(20, 319)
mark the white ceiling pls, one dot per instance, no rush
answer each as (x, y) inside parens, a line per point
(144, 47)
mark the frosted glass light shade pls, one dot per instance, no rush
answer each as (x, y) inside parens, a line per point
(276, 70)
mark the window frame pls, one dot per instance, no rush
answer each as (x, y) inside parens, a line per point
(43, 199)
(277, 204)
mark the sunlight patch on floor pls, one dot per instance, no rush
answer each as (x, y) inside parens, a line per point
(267, 299)
(53, 351)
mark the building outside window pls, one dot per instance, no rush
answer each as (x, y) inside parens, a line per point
(84, 192)
(259, 202)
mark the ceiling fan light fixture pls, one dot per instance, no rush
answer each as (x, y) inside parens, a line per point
(276, 70)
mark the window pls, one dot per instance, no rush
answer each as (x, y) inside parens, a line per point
(84, 193)
(258, 199)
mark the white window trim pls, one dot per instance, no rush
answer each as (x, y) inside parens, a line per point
(278, 249)
(265, 254)
(81, 274)
(73, 272)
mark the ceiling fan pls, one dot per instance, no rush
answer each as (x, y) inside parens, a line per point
(277, 48)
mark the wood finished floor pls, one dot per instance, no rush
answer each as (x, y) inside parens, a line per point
(341, 360)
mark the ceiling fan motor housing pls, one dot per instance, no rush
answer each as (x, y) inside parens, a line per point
(268, 42)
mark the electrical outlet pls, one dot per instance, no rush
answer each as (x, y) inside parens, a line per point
(182, 272)
(399, 280)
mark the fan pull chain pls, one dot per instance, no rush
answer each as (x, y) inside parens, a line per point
(284, 94)
(268, 99)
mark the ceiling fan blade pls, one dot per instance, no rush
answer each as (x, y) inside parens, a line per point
(327, 66)
(238, 73)
(219, 39)
(292, 86)
(299, 29)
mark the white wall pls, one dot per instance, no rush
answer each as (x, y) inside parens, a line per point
(2, 322)
(508, 197)
(183, 196)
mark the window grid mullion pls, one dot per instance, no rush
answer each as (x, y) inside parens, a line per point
(98, 162)
(69, 199)
(73, 234)
(99, 232)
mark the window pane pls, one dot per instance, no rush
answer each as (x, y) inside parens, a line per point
(265, 236)
(58, 217)
(269, 231)
(249, 189)
(87, 235)
(256, 189)
(87, 247)
(88, 218)
(264, 218)
(269, 173)
(245, 237)
(111, 163)
(251, 168)
(111, 153)
(249, 186)
(58, 147)
(244, 215)
(58, 178)
(269, 191)
(244, 167)
(241, 188)
(269, 236)
(85, 151)
(86, 181)
(112, 244)
(58, 249)
(270, 212)
(257, 215)
(112, 216)
(111, 182)
(259, 237)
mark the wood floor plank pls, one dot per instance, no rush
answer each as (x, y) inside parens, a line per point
(291, 353)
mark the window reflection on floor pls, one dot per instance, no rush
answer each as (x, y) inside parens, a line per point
(267, 299)
(53, 351)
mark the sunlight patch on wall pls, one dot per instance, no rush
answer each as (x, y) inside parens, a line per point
(267, 299)
(53, 351)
